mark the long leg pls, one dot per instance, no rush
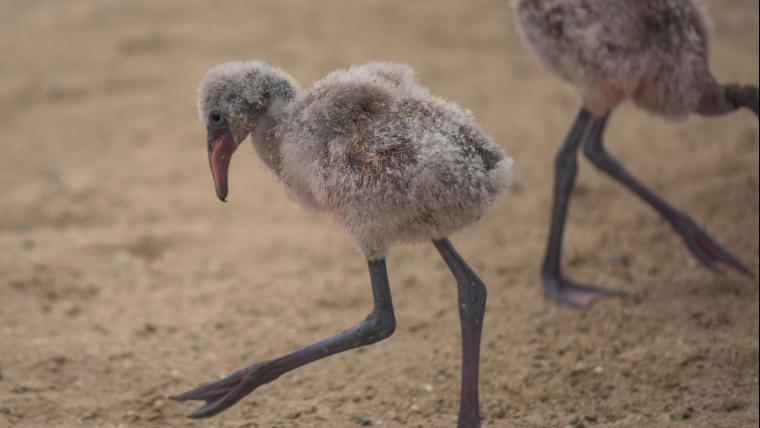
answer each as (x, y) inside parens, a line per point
(472, 305)
(701, 245)
(377, 326)
(565, 167)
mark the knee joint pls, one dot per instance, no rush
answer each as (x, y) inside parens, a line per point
(594, 153)
(379, 325)
(565, 166)
(472, 299)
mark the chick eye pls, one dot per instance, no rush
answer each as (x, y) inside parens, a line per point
(215, 117)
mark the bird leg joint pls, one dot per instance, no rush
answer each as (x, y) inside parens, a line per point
(379, 325)
(472, 300)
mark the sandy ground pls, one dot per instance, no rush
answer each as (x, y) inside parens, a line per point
(123, 280)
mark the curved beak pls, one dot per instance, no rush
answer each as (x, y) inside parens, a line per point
(221, 145)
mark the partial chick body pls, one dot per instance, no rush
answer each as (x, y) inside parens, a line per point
(651, 51)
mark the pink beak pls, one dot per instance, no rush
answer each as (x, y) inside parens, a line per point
(221, 145)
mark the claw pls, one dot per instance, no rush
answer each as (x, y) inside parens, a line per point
(576, 295)
(705, 249)
(219, 395)
(209, 409)
(212, 389)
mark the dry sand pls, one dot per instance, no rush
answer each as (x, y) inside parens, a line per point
(123, 279)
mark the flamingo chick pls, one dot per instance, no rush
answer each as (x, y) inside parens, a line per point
(389, 161)
(653, 52)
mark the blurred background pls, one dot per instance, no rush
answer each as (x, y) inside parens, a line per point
(123, 279)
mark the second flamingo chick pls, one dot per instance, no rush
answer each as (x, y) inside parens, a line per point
(389, 161)
(653, 52)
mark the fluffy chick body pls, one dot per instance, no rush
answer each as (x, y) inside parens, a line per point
(368, 145)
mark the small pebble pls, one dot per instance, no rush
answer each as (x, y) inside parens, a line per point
(688, 413)
(620, 260)
(730, 405)
(363, 420)
(576, 422)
